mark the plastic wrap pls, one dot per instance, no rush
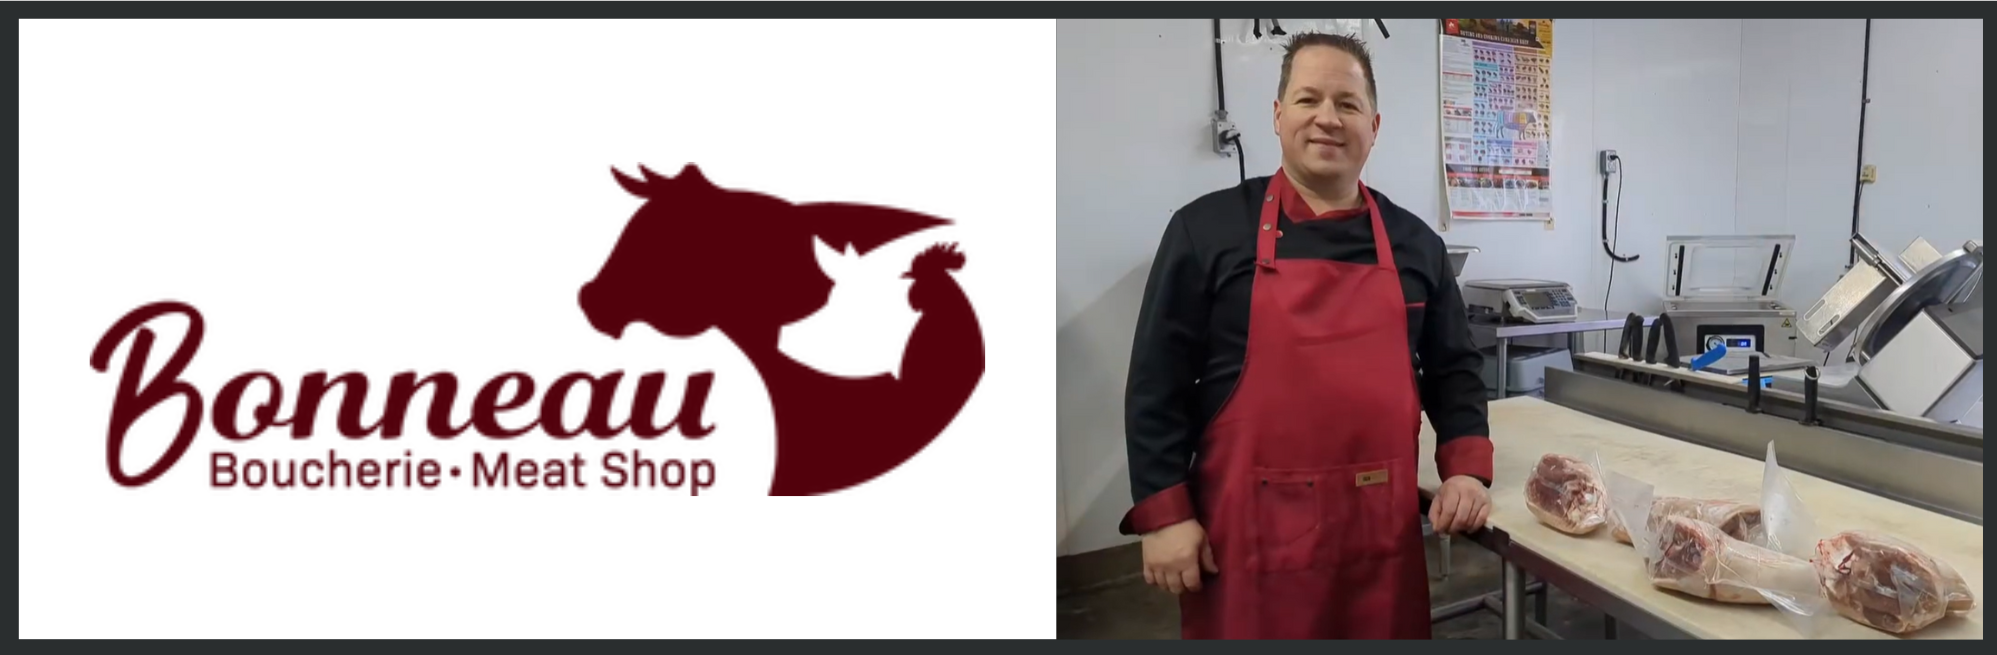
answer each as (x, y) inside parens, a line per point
(1698, 559)
(1695, 557)
(1566, 494)
(1785, 526)
(1888, 584)
(1616, 486)
(1628, 497)
(1611, 518)
(1788, 529)
(1738, 520)
(1871, 578)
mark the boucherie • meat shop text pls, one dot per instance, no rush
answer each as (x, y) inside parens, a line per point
(510, 392)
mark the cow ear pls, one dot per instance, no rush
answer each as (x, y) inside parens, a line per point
(833, 262)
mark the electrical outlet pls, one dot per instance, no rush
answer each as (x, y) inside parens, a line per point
(1869, 174)
(1224, 134)
(1609, 162)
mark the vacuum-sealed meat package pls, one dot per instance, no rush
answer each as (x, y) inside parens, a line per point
(1738, 520)
(1699, 559)
(1869, 578)
(1566, 494)
(1888, 584)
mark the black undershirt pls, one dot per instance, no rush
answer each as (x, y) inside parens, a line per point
(1192, 332)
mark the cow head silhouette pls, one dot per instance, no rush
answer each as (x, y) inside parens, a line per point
(696, 256)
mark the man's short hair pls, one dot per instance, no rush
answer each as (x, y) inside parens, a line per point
(1342, 43)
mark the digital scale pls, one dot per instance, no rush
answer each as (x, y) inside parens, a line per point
(1532, 301)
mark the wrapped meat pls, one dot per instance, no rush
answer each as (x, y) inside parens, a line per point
(1738, 520)
(1566, 494)
(1888, 584)
(1697, 558)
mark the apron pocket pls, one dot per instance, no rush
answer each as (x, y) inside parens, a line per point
(1288, 516)
(1374, 510)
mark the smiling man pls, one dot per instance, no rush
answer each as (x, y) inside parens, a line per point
(1293, 330)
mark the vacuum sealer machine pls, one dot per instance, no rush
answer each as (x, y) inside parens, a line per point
(1721, 290)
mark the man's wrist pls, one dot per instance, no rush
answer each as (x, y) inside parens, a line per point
(1161, 510)
(1469, 455)
(1466, 476)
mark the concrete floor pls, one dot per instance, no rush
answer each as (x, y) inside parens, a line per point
(1131, 610)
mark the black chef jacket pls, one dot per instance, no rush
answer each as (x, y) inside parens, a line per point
(1192, 333)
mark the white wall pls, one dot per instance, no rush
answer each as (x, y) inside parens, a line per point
(1725, 126)
(1798, 152)
(1134, 99)
(1924, 130)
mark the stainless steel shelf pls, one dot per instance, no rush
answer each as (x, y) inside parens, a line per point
(1585, 320)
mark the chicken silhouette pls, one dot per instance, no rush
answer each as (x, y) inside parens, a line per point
(946, 350)
(696, 257)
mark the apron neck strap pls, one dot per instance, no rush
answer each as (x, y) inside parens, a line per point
(1272, 211)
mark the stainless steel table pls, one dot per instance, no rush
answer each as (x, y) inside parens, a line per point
(1509, 601)
(1585, 320)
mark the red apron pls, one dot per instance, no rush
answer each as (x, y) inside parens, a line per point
(1305, 481)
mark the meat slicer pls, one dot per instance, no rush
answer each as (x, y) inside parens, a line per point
(1915, 326)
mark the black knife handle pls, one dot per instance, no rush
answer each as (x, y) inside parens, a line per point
(1632, 345)
(1662, 331)
(1810, 397)
(1631, 348)
(1754, 384)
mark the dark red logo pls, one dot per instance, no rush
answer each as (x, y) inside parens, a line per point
(694, 257)
(697, 256)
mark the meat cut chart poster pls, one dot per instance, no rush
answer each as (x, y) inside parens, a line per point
(1497, 102)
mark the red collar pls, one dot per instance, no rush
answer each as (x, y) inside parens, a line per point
(1297, 210)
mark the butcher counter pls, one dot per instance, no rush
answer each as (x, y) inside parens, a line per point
(1609, 576)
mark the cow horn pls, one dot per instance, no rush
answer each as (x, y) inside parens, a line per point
(631, 185)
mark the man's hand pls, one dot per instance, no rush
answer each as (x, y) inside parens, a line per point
(1174, 556)
(1461, 505)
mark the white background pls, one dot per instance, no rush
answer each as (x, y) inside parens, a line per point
(426, 196)
(1724, 126)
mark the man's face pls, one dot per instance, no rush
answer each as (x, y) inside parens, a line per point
(1325, 121)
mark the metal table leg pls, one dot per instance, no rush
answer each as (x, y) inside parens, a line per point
(1504, 351)
(1445, 556)
(1539, 605)
(1514, 588)
(1483, 603)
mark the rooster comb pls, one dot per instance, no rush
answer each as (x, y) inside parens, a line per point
(939, 257)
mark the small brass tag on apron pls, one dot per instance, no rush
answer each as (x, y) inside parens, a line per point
(1372, 477)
